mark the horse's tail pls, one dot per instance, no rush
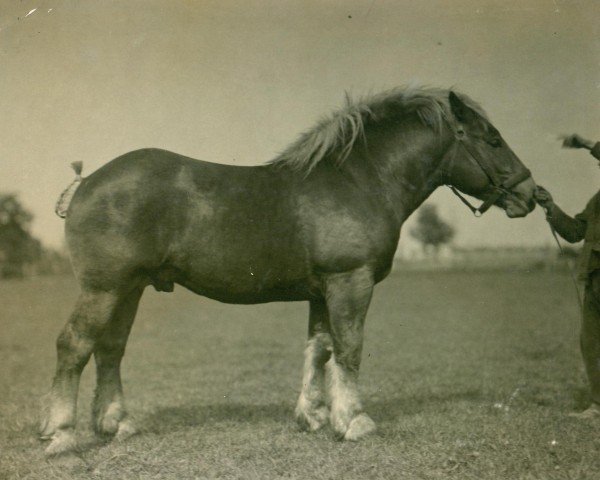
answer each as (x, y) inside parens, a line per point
(62, 205)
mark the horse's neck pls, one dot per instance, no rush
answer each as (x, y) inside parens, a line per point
(409, 166)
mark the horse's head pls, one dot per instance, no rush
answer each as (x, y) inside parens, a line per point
(481, 164)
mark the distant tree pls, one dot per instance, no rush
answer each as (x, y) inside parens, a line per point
(52, 262)
(431, 230)
(18, 249)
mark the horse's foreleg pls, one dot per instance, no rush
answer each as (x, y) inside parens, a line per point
(348, 296)
(74, 346)
(108, 410)
(311, 410)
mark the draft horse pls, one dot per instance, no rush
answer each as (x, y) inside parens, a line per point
(319, 223)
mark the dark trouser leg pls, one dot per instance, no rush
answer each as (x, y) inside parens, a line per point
(590, 334)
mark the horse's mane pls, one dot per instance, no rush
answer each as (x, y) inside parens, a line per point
(336, 134)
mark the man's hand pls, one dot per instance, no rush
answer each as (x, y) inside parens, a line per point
(575, 141)
(543, 198)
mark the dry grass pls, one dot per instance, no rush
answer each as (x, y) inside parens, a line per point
(469, 376)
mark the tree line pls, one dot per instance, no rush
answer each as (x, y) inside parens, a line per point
(21, 253)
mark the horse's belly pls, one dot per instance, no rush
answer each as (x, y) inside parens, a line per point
(255, 289)
(230, 259)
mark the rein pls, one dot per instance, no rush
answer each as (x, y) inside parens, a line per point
(500, 188)
(562, 252)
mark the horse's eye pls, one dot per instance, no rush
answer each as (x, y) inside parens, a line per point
(495, 142)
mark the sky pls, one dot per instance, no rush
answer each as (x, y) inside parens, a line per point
(236, 82)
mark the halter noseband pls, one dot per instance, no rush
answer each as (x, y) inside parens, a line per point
(500, 188)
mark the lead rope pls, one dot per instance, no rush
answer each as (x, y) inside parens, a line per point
(562, 252)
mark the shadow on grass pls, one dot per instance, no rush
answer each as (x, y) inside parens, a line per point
(391, 409)
(166, 419)
(173, 418)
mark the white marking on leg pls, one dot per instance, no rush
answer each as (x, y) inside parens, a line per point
(126, 429)
(347, 417)
(62, 441)
(311, 403)
(56, 414)
(360, 426)
(311, 388)
(109, 421)
(345, 402)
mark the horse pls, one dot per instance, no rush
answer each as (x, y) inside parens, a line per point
(319, 223)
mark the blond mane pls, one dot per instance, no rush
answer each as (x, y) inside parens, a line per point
(335, 135)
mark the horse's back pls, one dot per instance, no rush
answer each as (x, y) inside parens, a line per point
(159, 215)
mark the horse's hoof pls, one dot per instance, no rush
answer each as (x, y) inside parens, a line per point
(107, 422)
(314, 419)
(45, 432)
(113, 426)
(360, 426)
(126, 429)
(63, 441)
(46, 428)
(53, 418)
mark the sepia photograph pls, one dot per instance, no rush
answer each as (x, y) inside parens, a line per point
(299, 239)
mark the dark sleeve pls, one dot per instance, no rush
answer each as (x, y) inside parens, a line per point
(595, 151)
(569, 228)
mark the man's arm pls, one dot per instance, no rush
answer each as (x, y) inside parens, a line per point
(595, 150)
(569, 228)
(576, 141)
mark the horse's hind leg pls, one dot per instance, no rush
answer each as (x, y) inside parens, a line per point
(108, 409)
(74, 346)
(348, 296)
(311, 411)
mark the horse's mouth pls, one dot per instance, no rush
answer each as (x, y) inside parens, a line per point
(516, 207)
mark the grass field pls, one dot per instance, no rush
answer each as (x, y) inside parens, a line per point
(468, 376)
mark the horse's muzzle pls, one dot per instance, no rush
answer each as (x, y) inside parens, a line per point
(516, 207)
(520, 202)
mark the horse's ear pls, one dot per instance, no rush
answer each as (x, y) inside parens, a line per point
(462, 112)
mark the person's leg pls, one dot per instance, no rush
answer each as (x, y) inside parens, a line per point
(590, 342)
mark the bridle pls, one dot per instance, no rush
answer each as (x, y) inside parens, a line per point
(500, 187)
